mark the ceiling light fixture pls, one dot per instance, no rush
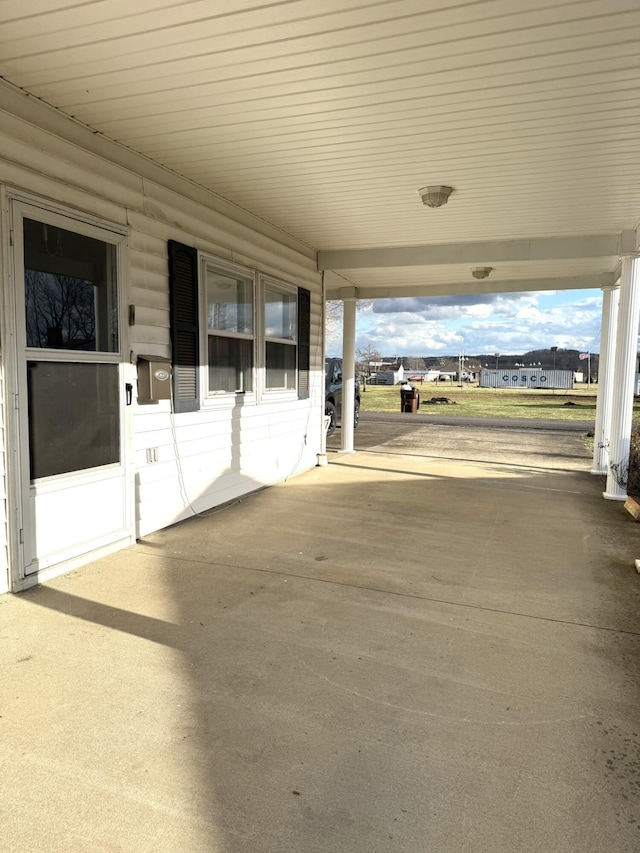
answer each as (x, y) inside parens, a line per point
(435, 196)
(481, 272)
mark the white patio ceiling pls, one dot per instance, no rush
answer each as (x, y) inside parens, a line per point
(324, 117)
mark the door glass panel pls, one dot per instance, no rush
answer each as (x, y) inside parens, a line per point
(70, 290)
(74, 416)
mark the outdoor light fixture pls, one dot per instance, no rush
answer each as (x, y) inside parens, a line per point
(481, 272)
(435, 196)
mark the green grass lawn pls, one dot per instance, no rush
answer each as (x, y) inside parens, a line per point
(472, 401)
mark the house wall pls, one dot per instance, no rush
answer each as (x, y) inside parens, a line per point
(221, 452)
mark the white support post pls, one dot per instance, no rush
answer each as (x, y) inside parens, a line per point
(602, 433)
(624, 378)
(348, 374)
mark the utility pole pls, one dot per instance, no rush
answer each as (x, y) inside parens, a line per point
(461, 358)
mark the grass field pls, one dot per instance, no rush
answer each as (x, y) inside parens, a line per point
(472, 401)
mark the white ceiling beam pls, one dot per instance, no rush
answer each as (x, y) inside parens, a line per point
(630, 242)
(576, 282)
(538, 249)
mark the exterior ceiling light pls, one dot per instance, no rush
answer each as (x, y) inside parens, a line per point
(435, 196)
(481, 272)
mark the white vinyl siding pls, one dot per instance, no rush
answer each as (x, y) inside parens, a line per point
(224, 451)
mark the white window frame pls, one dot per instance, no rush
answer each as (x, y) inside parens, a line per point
(225, 398)
(273, 394)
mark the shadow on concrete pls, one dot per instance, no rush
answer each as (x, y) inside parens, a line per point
(389, 654)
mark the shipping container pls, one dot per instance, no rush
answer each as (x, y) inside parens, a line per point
(527, 377)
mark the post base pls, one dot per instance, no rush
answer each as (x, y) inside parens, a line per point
(608, 496)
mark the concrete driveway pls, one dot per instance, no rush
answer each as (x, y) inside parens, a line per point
(550, 444)
(404, 652)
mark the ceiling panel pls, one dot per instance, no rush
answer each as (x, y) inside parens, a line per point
(325, 118)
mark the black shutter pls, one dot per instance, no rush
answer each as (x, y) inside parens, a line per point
(185, 326)
(304, 342)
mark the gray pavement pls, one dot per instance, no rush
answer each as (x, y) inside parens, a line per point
(429, 646)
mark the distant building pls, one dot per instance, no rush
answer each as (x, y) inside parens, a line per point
(526, 377)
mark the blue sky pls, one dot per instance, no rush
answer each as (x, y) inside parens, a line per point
(509, 323)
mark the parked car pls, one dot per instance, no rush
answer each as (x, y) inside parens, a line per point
(333, 394)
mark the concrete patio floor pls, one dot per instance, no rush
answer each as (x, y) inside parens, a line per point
(431, 646)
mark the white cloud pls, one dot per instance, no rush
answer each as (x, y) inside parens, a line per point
(485, 323)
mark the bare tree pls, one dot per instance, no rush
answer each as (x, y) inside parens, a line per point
(366, 356)
(60, 311)
(333, 321)
(334, 316)
(414, 363)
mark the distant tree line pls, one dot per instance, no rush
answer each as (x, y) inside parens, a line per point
(561, 359)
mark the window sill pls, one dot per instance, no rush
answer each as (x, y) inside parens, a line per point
(227, 400)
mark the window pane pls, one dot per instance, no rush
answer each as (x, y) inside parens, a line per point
(229, 303)
(280, 314)
(70, 290)
(230, 364)
(281, 366)
(74, 416)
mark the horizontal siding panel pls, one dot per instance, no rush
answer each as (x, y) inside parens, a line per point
(148, 297)
(141, 335)
(148, 244)
(149, 267)
(159, 513)
(156, 318)
(209, 226)
(60, 191)
(158, 350)
(207, 485)
(218, 430)
(204, 448)
(167, 213)
(208, 424)
(27, 146)
(160, 229)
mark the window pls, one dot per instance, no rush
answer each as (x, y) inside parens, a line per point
(70, 293)
(229, 318)
(231, 326)
(281, 337)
